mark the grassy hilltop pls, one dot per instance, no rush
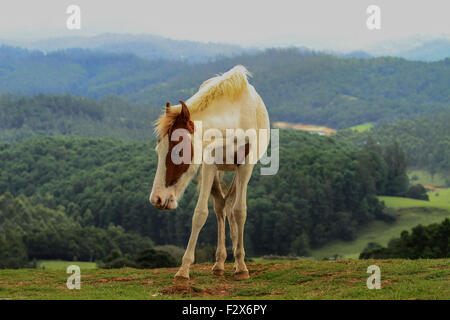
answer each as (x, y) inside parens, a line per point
(409, 213)
(280, 279)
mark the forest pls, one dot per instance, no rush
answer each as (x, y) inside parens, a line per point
(30, 230)
(425, 140)
(23, 116)
(325, 189)
(296, 85)
(77, 153)
(424, 242)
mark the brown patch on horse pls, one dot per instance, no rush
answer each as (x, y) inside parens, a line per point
(241, 160)
(181, 121)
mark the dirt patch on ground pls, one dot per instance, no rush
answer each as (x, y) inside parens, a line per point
(111, 280)
(20, 284)
(387, 282)
(218, 286)
(261, 268)
(439, 267)
(426, 186)
(305, 127)
(354, 280)
(223, 287)
(277, 292)
(216, 291)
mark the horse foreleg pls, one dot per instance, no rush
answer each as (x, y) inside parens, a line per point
(198, 221)
(243, 175)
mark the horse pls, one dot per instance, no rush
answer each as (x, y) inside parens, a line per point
(226, 101)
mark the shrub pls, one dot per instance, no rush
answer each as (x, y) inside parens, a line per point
(176, 252)
(121, 262)
(417, 191)
(205, 254)
(428, 242)
(150, 259)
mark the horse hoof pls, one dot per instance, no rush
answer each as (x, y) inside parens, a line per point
(181, 281)
(242, 275)
(218, 272)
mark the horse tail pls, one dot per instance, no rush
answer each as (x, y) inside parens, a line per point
(219, 184)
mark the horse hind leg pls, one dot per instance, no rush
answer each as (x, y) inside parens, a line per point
(229, 201)
(219, 208)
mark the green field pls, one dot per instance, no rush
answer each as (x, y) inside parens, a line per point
(62, 265)
(363, 127)
(410, 212)
(280, 279)
(270, 279)
(425, 178)
(438, 199)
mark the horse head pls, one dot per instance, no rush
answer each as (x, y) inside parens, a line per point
(175, 168)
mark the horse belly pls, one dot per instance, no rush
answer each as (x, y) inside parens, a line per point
(226, 167)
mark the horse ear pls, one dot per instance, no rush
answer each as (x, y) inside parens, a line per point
(185, 111)
(167, 107)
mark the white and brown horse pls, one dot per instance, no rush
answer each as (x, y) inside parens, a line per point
(224, 102)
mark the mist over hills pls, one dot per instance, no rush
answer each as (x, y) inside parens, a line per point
(147, 46)
(296, 85)
(430, 51)
(150, 46)
(417, 48)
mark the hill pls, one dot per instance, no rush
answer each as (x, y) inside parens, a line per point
(147, 46)
(323, 190)
(150, 46)
(409, 213)
(418, 47)
(432, 50)
(426, 140)
(22, 117)
(38, 228)
(297, 86)
(284, 280)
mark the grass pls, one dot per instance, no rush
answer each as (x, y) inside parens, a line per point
(277, 279)
(363, 127)
(381, 232)
(280, 279)
(425, 178)
(410, 212)
(438, 199)
(62, 265)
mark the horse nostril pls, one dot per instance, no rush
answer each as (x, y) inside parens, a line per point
(158, 200)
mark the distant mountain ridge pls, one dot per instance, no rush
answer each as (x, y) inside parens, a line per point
(430, 51)
(296, 85)
(150, 46)
(417, 48)
(146, 46)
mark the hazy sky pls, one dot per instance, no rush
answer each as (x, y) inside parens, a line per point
(247, 22)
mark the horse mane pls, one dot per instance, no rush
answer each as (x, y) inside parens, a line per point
(229, 84)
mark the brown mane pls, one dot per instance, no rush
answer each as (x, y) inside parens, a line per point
(165, 122)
